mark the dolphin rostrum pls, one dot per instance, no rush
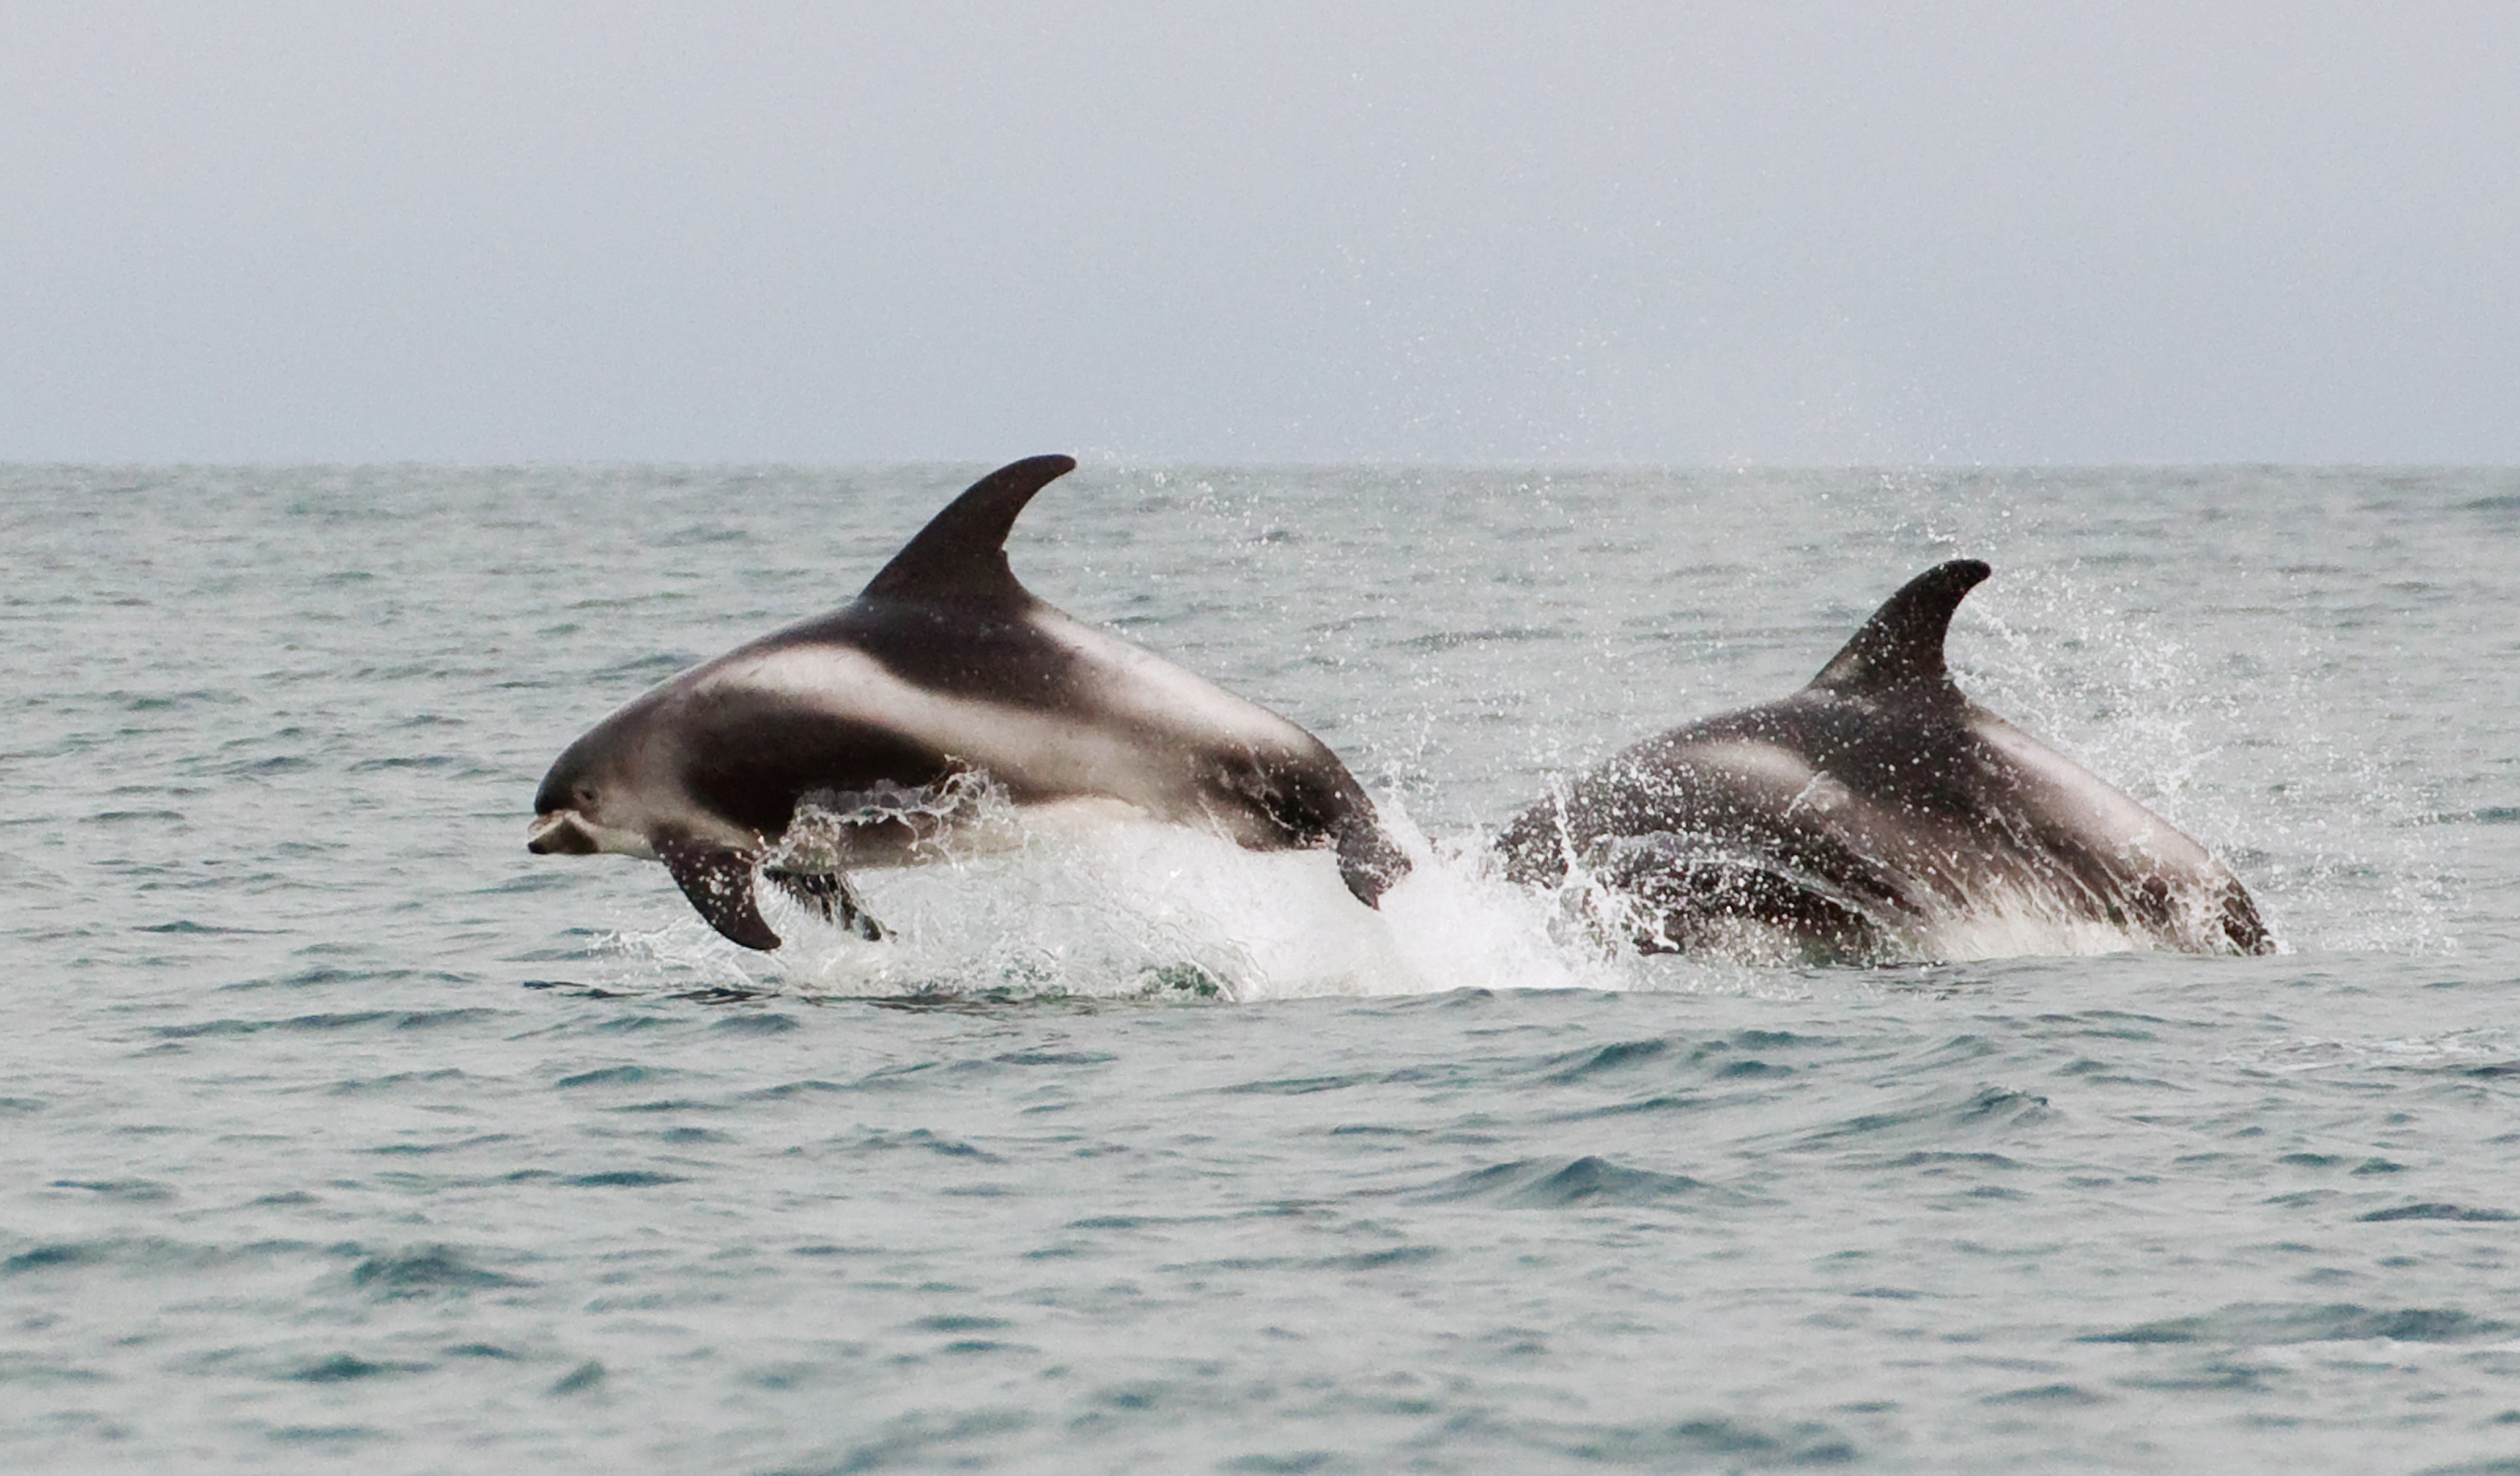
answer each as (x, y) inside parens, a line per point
(1869, 811)
(886, 719)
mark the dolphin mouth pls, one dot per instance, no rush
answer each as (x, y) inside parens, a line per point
(559, 832)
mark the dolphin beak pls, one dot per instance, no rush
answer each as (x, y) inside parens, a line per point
(559, 832)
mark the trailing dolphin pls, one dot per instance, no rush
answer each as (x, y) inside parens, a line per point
(886, 719)
(1871, 814)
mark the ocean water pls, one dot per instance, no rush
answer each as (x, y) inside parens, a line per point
(340, 1132)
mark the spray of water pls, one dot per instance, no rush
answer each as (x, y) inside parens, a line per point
(1015, 903)
(1031, 902)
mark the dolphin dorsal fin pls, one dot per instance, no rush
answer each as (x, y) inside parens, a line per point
(1903, 643)
(962, 552)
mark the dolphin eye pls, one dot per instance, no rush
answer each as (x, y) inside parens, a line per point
(583, 794)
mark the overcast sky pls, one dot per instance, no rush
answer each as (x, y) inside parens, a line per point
(1956, 233)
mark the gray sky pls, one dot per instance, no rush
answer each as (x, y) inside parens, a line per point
(1961, 232)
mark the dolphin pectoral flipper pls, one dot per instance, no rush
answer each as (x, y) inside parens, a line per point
(1903, 643)
(827, 894)
(719, 884)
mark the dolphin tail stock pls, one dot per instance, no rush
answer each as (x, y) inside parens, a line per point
(719, 884)
(2239, 917)
(827, 894)
(1309, 803)
(962, 552)
(2207, 913)
(1901, 644)
(1370, 861)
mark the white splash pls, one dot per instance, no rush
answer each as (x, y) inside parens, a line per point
(1100, 901)
(1097, 902)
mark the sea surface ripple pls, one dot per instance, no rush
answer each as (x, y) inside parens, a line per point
(343, 1133)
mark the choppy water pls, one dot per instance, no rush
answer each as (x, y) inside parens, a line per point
(343, 1133)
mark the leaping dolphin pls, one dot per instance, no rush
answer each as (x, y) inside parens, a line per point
(943, 674)
(1871, 809)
